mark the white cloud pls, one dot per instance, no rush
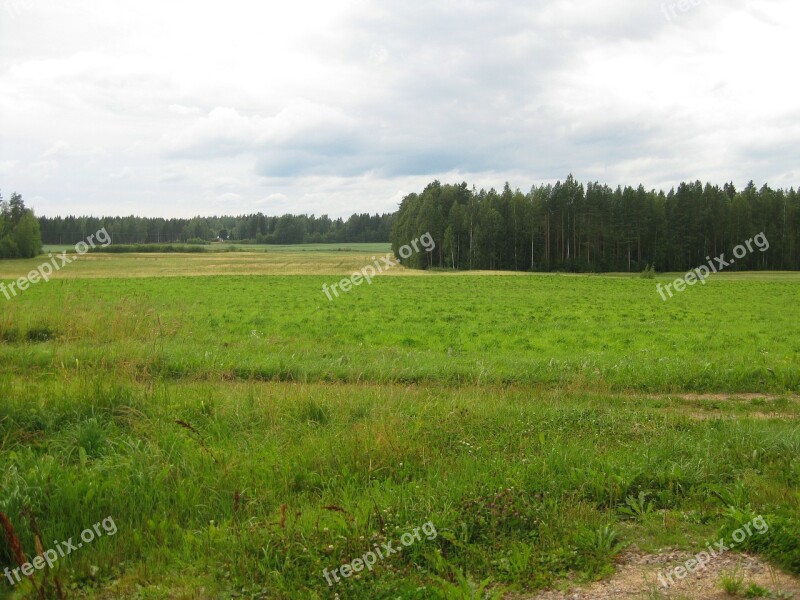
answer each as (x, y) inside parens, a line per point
(180, 109)
(124, 173)
(337, 107)
(58, 149)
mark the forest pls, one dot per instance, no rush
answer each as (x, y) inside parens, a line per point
(594, 228)
(566, 226)
(254, 228)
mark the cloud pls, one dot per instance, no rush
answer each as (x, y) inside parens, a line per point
(229, 197)
(302, 136)
(334, 107)
(123, 173)
(180, 109)
(57, 150)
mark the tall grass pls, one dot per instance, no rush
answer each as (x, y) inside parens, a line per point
(245, 433)
(522, 487)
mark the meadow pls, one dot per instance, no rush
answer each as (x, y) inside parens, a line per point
(246, 434)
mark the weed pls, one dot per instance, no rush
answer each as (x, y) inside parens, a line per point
(596, 550)
(756, 591)
(637, 507)
(732, 582)
(464, 587)
(509, 511)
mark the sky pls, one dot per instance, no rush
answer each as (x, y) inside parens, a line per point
(175, 108)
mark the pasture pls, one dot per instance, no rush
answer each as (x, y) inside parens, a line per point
(246, 434)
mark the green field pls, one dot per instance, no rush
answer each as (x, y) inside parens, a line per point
(542, 423)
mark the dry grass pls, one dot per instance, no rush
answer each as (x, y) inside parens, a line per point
(182, 265)
(105, 266)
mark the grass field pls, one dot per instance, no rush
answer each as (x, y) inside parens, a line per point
(245, 433)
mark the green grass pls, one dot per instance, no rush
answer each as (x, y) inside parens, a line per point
(542, 423)
(732, 583)
(503, 474)
(598, 333)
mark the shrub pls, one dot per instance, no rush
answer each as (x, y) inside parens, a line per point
(780, 543)
(40, 333)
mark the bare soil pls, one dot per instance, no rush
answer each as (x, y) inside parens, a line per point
(637, 578)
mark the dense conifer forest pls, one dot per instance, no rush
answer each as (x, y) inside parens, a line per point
(594, 228)
(568, 226)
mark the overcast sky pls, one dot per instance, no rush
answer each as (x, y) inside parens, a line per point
(177, 108)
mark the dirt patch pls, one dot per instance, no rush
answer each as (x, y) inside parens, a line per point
(637, 578)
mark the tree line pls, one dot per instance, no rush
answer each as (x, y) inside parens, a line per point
(567, 226)
(19, 229)
(594, 228)
(255, 228)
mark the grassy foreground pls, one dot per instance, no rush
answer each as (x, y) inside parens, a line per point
(245, 433)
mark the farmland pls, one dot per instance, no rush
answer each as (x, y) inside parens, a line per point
(246, 433)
